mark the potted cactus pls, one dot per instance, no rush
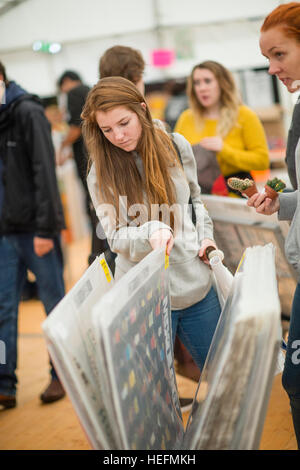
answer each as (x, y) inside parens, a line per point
(273, 187)
(245, 186)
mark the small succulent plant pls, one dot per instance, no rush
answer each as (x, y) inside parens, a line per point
(239, 184)
(276, 184)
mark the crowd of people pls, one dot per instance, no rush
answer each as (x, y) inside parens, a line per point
(120, 150)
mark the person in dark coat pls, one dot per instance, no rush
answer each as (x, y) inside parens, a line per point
(293, 138)
(31, 219)
(76, 92)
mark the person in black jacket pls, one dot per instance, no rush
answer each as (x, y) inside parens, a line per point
(31, 219)
(76, 92)
(293, 138)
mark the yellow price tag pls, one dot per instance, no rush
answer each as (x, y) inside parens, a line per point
(105, 269)
(166, 261)
(241, 261)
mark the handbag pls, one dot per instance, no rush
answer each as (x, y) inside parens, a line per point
(208, 169)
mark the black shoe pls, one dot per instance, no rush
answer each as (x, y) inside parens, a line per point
(185, 404)
(53, 392)
(8, 401)
(30, 291)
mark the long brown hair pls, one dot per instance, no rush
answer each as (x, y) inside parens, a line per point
(116, 170)
(287, 17)
(229, 99)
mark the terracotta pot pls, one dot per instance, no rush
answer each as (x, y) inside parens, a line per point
(250, 191)
(270, 192)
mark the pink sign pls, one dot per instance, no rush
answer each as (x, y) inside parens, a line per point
(162, 57)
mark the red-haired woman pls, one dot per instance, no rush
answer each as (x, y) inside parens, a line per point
(280, 43)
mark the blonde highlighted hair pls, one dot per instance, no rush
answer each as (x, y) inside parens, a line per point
(116, 170)
(229, 98)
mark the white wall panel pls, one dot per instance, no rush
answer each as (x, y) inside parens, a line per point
(176, 12)
(71, 20)
(33, 73)
(87, 28)
(38, 72)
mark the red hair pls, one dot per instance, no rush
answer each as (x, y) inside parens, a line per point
(287, 17)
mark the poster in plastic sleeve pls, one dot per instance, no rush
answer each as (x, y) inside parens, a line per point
(238, 226)
(137, 343)
(235, 383)
(73, 349)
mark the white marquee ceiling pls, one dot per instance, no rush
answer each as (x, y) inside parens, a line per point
(223, 30)
(6, 5)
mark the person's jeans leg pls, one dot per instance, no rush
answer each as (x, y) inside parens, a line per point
(174, 323)
(48, 270)
(291, 372)
(12, 275)
(197, 324)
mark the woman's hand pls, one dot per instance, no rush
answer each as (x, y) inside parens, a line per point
(263, 204)
(205, 243)
(162, 238)
(42, 246)
(212, 143)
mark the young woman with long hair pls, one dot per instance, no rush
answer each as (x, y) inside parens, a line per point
(280, 44)
(218, 121)
(135, 170)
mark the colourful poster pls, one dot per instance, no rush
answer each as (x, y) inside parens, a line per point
(139, 353)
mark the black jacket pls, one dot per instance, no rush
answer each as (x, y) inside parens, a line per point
(31, 200)
(293, 138)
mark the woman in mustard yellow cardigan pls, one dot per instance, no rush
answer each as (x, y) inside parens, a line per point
(218, 121)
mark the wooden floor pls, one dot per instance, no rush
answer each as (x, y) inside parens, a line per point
(33, 426)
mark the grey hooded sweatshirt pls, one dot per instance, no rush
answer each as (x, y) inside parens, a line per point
(190, 278)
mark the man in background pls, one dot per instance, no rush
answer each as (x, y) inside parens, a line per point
(123, 61)
(76, 92)
(31, 219)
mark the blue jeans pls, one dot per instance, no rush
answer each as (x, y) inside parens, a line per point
(291, 371)
(16, 256)
(195, 326)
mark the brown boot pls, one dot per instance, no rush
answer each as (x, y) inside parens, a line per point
(7, 401)
(53, 392)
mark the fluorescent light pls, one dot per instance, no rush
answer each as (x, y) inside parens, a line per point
(54, 47)
(37, 46)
